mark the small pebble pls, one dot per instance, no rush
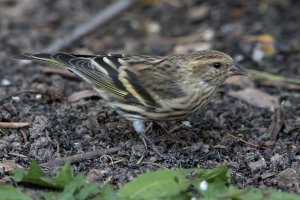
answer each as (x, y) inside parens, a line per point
(38, 96)
(257, 54)
(15, 98)
(5, 82)
(258, 165)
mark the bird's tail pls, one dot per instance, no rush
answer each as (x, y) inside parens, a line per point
(58, 59)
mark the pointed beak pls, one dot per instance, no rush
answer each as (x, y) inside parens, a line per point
(236, 70)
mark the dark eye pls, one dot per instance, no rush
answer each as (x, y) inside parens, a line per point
(217, 65)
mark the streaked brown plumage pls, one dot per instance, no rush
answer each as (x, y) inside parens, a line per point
(150, 87)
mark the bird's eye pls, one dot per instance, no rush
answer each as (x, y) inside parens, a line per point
(217, 65)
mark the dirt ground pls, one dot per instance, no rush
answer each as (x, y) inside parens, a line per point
(259, 141)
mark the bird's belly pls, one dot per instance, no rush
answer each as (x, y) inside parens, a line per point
(176, 110)
(182, 109)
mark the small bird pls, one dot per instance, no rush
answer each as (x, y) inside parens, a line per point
(155, 88)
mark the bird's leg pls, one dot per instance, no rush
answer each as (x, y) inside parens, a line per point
(139, 126)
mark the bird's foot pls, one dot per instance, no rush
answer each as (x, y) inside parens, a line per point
(149, 141)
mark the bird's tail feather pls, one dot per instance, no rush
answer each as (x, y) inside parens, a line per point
(58, 59)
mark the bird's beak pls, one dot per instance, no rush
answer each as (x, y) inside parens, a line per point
(237, 70)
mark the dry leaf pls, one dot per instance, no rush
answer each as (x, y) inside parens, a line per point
(256, 98)
(13, 125)
(265, 45)
(199, 12)
(240, 81)
(81, 95)
(9, 165)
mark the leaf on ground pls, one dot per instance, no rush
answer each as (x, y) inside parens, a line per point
(33, 175)
(241, 81)
(8, 166)
(251, 193)
(163, 184)
(171, 183)
(265, 43)
(107, 193)
(256, 98)
(36, 176)
(76, 96)
(271, 77)
(220, 174)
(63, 177)
(197, 13)
(8, 192)
(155, 185)
(78, 189)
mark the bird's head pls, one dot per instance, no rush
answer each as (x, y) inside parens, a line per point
(210, 67)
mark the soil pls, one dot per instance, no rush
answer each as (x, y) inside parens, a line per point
(260, 144)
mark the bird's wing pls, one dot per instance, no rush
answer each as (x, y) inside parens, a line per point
(139, 79)
(155, 74)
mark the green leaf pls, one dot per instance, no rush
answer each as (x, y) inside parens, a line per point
(257, 194)
(222, 192)
(78, 189)
(163, 184)
(36, 176)
(107, 193)
(219, 174)
(155, 185)
(49, 196)
(87, 191)
(8, 192)
(214, 191)
(34, 173)
(63, 177)
(272, 77)
(18, 174)
(71, 189)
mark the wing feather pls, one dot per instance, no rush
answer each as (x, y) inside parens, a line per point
(144, 80)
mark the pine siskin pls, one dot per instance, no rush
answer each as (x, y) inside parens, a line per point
(142, 88)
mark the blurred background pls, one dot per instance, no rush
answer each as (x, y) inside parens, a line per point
(261, 35)
(249, 30)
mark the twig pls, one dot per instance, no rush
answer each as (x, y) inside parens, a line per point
(241, 140)
(85, 28)
(13, 125)
(275, 126)
(141, 159)
(109, 157)
(154, 164)
(79, 157)
(24, 135)
(118, 161)
(17, 155)
(175, 128)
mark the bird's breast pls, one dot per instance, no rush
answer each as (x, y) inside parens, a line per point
(182, 107)
(169, 109)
